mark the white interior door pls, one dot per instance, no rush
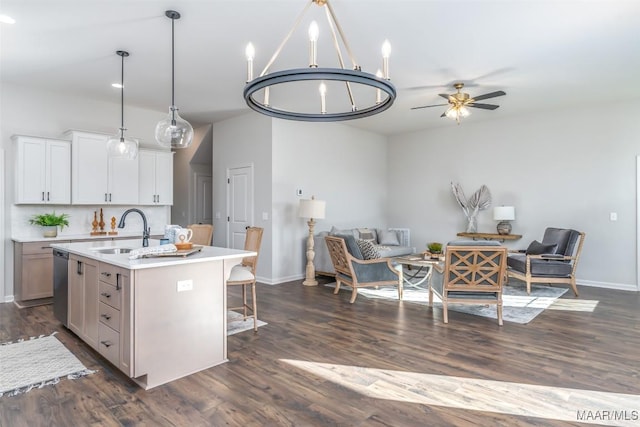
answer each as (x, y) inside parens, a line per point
(239, 204)
(204, 204)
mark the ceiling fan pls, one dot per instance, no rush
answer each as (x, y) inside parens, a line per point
(459, 101)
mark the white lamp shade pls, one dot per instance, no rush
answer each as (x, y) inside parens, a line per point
(311, 209)
(504, 213)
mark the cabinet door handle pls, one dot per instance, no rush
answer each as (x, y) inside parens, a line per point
(106, 343)
(104, 273)
(105, 197)
(106, 316)
(158, 199)
(48, 196)
(106, 295)
(79, 267)
(117, 281)
(43, 196)
(109, 196)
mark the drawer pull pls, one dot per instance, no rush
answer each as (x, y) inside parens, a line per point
(104, 273)
(106, 316)
(106, 343)
(106, 295)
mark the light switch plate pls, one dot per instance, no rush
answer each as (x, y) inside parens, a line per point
(185, 285)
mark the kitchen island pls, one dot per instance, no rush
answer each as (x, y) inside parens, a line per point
(156, 319)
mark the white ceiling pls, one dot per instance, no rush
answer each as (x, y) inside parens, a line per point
(543, 54)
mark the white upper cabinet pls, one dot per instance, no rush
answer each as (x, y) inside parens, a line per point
(43, 170)
(156, 177)
(98, 179)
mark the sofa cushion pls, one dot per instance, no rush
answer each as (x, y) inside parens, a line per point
(537, 248)
(393, 251)
(368, 249)
(348, 231)
(388, 238)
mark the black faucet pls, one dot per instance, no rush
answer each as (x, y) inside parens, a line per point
(145, 231)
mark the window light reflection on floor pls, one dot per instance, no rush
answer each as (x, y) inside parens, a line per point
(574, 305)
(556, 403)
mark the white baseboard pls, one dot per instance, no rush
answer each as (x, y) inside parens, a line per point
(608, 285)
(8, 298)
(278, 280)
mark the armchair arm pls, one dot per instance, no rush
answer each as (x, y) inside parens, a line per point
(549, 257)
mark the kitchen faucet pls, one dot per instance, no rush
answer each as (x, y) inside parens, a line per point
(145, 231)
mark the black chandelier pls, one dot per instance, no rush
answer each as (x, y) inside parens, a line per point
(378, 91)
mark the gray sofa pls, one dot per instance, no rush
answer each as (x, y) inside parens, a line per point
(389, 243)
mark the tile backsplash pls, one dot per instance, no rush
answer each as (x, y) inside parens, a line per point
(81, 217)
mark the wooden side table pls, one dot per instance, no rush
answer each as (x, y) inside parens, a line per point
(491, 236)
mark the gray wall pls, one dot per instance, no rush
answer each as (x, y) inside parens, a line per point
(567, 168)
(242, 141)
(342, 165)
(184, 168)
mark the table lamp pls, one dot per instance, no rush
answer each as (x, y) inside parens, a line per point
(312, 209)
(504, 214)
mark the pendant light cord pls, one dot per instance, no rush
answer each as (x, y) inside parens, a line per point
(173, 72)
(122, 100)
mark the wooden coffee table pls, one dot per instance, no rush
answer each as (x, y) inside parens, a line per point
(425, 266)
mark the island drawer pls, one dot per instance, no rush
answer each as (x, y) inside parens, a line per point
(109, 344)
(108, 273)
(109, 316)
(36, 248)
(109, 295)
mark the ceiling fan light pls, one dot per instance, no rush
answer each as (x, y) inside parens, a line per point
(464, 112)
(451, 113)
(174, 131)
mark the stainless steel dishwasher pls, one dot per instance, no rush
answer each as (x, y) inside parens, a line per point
(60, 285)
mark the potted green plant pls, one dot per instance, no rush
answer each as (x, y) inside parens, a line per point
(50, 222)
(435, 249)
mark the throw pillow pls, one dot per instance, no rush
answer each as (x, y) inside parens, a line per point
(537, 248)
(368, 249)
(366, 234)
(388, 238)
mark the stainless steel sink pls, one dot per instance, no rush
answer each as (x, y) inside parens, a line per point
(112, 251)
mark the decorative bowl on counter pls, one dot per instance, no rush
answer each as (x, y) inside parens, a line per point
(183, 246)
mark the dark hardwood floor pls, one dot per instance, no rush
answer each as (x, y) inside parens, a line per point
(570, 349)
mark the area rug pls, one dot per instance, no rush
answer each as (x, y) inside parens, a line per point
(35, 363)
(236, 323)
(517, 306)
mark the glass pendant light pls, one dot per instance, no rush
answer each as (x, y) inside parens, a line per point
(173, 131)
(119, 145)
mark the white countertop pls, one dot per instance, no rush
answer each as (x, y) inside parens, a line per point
(84, 236)
(208, 253)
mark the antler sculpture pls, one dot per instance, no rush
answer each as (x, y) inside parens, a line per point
(478, 201)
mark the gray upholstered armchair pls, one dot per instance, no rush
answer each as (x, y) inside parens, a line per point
(355, 271)
(554, 260)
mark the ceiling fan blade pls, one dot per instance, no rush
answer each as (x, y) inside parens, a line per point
(444, 95)
(489, 95)
(483, 106)
(444, 114)
(428, 106)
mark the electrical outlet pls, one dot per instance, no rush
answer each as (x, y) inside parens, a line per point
(185, 285)
(265, 216)
(299, 192)
(613, 216)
